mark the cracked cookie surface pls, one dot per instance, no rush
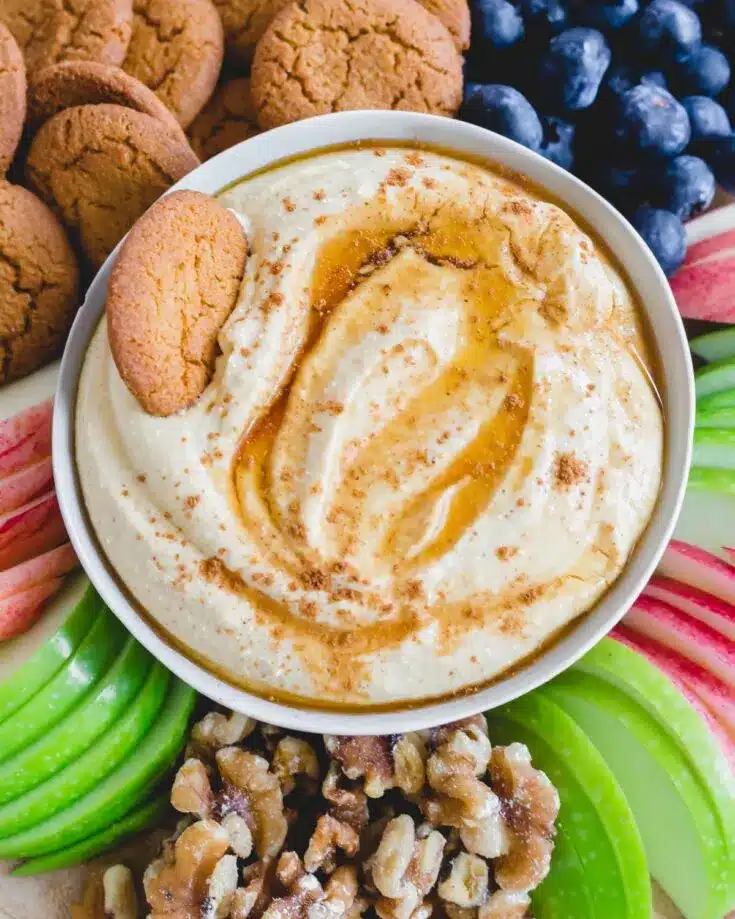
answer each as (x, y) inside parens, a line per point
(320, 56)
(101, 167)
(174, 284)
(49, 31)
(12, 97)
(455, 16)
(74, 83)
(245, 21)
(228, 118)
(176, 50)
(38, 283)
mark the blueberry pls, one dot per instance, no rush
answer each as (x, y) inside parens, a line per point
(547, 16)
(664, 234)
(620, 183)
(618, 79)
(504, 110)
(650, 120)
(655, 78)
(558, 142)
(705, 72)
(669, 29)
(708, 118)
(686, 187)
(572, 69)
(610, 14)
(723, 162)
(496, 23)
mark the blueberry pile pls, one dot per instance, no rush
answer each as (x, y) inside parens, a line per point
(633, 96)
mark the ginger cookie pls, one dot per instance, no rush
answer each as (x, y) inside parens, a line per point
(320, 56)
(12, 97)
(38, 283)
(175, 282)
(49, 31)
(455, 16)
(177, 49)
(228, 118)
(74, 83)
(245, 21)
(101, 167)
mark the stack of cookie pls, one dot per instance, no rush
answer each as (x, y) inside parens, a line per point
(97, 98)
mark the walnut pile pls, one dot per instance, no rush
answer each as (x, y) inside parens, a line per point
(286, 826)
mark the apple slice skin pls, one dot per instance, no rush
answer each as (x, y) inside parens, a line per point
(35, 673)
(701, 286)
(723, 399)
(657, 764)
(715, 417)
(25, 438)
(80, 777)
(711, 479)
(19, 612)
(715, 377)
(708, 609)
(24, 485)
(642, 682)
(695, 566)
(119, 790)
(99, 647)
(714, 448)
(714, 346)
(683, 633)
(151, 814)
(81, 727)
(53, 564)
(50, 534)
(711, 699)
(594, 811)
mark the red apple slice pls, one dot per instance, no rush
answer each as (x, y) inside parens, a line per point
(714, 612)
(710, 696)
(25, 438)
(46, 567)
(684, 634)
(19, 612)
(25, 484)
(698, 568)
(30, 531)
(704, 286)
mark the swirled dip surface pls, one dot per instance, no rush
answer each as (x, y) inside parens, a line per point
(430, 443)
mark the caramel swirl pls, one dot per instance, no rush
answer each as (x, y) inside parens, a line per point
(431, 441)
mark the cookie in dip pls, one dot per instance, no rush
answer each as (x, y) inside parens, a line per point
(427, 440)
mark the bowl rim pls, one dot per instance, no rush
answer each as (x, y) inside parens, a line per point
(645, 275)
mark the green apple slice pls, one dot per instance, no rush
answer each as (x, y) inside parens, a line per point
(649, 687)
(680, 828)
(594, 812)
(715, 377)
(564, 891)
(714, 448)
(715, 346)
(81, 776)
(720, 481)
(29, 661)
(152, 813)
(81, 727)
(715, 417)
(116, 794)
(93, 657)
(717, 400)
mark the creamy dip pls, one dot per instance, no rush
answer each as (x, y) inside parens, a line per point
(431, 441)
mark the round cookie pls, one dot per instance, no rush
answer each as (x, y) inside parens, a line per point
(320, 56)
(455, 16)
(12, 97)
(245, 21)
(49, 31)
(38, 283)
(175, 282)
(228, 118)
(74, 83)
(177, 49)
(101, 167)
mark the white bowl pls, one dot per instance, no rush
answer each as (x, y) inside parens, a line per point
(645, 276)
